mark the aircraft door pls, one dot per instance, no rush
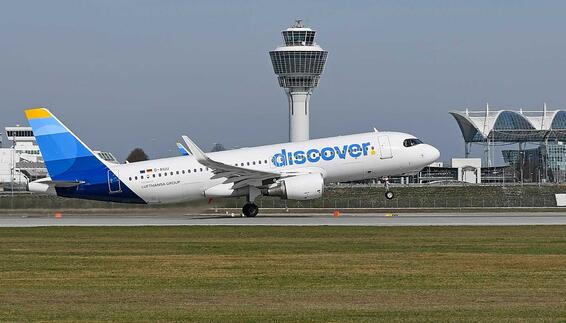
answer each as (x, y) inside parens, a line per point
(114, 185)
(384, 147)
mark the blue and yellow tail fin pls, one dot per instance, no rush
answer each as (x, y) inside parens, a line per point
(66, 157)
(182, 149)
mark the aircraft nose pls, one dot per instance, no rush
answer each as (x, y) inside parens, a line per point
(433, 153)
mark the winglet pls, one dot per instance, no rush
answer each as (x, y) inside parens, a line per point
(182, 149)
(194, 150)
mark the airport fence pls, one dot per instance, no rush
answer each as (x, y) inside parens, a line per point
(401, 202)
(335, 197)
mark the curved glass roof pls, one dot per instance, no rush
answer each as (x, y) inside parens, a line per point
(559, 121)
(511, 126)
(509, 120)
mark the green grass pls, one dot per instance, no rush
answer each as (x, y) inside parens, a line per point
(283, 274)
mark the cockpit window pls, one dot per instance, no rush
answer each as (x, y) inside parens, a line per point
(411, 142)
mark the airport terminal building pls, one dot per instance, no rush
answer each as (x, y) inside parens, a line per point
(21, 161)
(544, 129)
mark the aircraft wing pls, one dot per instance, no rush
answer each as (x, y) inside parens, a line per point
(241, 177)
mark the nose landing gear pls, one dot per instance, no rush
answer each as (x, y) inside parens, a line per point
(388, 192)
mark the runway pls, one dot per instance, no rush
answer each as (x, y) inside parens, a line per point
(288, 219)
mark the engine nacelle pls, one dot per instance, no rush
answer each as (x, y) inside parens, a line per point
(301, 187)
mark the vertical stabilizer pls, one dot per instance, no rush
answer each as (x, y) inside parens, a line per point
(66, 157)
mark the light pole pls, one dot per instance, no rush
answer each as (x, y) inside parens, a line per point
(12, 157)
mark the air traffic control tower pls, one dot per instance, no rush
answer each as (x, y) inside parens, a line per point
(298, 65)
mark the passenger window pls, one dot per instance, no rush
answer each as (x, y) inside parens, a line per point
(141, 176)
(265, 161)
(153, 175)
(253, 163)
(183, 171)
(177, 172)
(130, 178)
(165, 174)
(242, 164)
(259, 161)
(248, 163)
(201, 169)
(136, 178)
(195, 170)
(159, 174)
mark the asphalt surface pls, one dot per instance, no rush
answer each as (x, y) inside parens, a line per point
(287, 219)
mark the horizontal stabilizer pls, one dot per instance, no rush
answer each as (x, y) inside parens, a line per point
(47, 185)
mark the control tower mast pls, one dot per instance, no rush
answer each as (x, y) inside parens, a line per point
(298, 65)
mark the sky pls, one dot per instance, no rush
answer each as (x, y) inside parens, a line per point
(126, 74)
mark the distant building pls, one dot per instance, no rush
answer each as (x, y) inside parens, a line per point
(21, 162)
(23, 141)
(437, 173)
(546, 128)
(462, 170)
(546, 162)
(556, 157)
(106, 156)
(217, 147)
(469, 169)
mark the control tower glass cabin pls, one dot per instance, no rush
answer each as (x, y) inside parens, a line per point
(298, 65)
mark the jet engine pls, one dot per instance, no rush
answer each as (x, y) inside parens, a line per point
(300, 187)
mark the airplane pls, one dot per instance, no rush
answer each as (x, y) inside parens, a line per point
(294, 170)
(182, 150)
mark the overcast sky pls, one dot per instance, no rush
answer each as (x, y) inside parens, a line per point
(123, 74)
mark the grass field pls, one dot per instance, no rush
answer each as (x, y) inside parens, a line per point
(283, 274)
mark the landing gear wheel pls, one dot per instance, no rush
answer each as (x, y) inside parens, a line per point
(389, 195)
(250, 210)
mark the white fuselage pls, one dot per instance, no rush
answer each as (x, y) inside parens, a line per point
(342, 158)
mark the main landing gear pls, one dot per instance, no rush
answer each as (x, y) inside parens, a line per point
(250, 210)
